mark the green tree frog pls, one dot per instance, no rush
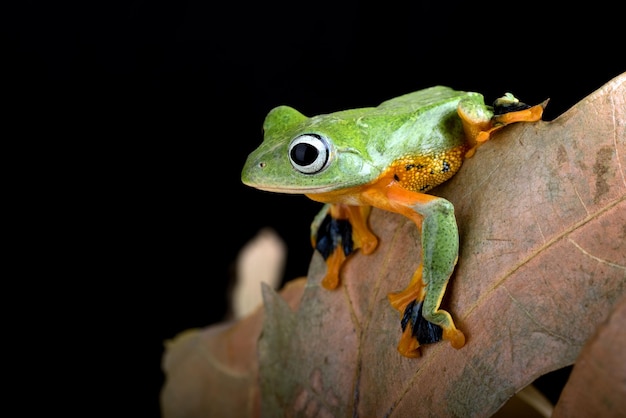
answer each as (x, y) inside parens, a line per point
(386, 157)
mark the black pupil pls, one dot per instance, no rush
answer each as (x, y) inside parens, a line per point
(304, 154)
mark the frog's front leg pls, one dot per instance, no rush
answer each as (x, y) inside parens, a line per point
(338, 230)
(422, 320)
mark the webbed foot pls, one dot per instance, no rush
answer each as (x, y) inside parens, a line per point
(422, 321)
(334, 242)
(416, 330)
(342, 230)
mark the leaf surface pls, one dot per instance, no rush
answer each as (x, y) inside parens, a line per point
(597, 386)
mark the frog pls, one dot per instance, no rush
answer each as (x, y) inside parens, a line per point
(387, 157)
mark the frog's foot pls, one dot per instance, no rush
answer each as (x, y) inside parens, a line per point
(441, 318)
(342, 230)
(455, 336)
(415, 329)
(333, 266)
(418, 330)
(506, 110)
(334, 242)
(422, 321)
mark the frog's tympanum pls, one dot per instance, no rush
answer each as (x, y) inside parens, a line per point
(386, 157)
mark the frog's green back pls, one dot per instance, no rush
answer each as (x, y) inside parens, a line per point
(420, 122)
(422, 99)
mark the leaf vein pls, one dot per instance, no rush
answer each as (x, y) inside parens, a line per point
(532, 318)
(598, 259)
(540, 250)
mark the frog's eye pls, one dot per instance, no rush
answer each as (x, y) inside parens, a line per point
(309, 153)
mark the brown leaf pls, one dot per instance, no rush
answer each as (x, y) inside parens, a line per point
(213, 372)
(597, 385)
(541, 210)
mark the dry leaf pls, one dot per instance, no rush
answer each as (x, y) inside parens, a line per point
(213, 372)
(541, 210)
(597, 385)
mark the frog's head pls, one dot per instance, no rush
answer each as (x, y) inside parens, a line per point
(309, 155)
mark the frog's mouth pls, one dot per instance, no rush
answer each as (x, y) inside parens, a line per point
(300, 189)
(313, 186)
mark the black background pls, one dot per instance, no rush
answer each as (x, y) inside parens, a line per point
(151, 108)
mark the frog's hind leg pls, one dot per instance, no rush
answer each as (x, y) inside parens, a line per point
(479, 124)
(422, 321)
